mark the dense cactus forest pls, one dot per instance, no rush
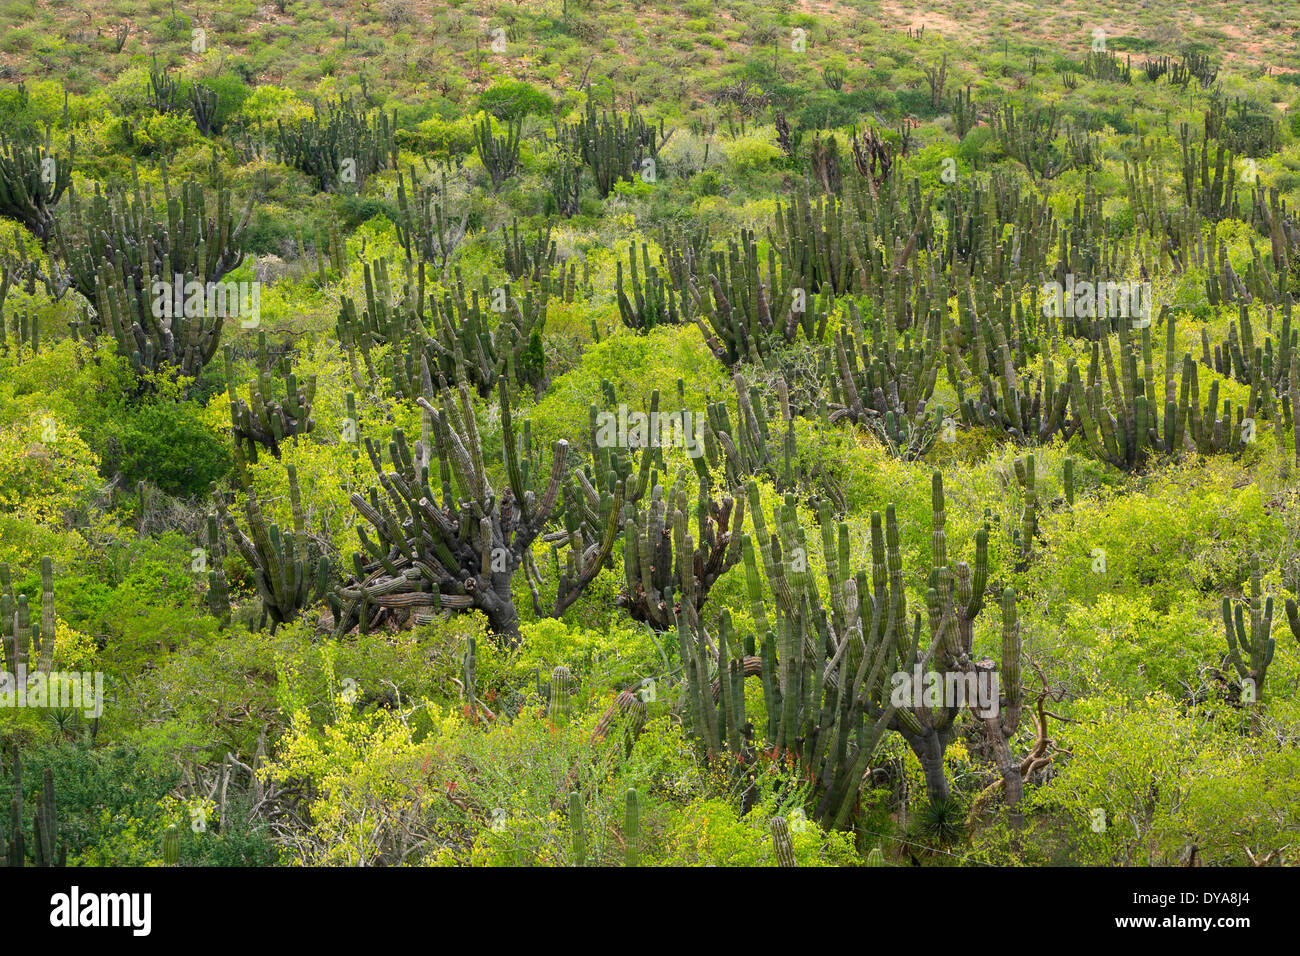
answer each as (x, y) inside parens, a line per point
(662, 433)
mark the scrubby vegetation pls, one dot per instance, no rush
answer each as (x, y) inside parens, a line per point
(573, 433)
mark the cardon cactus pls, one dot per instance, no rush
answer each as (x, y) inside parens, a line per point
(171, 845)
(890, 391)
(654, 299)
(561, 692)
(499, 154)
(26, 641)
(614, 146)
(578, 828)
(470, 672)
(668, 570)
(32, 180)
(782, 843)
(428, 226)
(218, 592)
(827, 661)
(453, 551)
(13, 851)
(1025, 475)
(49, 851)
(1250, 643)
(524, 260)
(288, 569)
(265, 420)
(143, 272)
(339, 146)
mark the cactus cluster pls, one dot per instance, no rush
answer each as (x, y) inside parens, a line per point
(499, 154)
(655, 300)
(614, 146)
(1031, 138)
(528, 260)
(456, 343)
(453, 551)
(26, 330)
(1248, 631)
(428, 226)
(33, 179)
(127, 261)
(668, 572)
(27, 644)
(47, 849)
(288, 568)
(826, 662)
(1023, 408)
(339, 146)
(886, 384)
(265, 420)
(1121, 414)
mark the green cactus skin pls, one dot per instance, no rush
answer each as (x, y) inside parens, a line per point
(171, 846)
(1250, 642)
(782, 843)
(561, 692)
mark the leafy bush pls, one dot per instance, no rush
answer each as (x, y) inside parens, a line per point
(509, 100)
(166, 444)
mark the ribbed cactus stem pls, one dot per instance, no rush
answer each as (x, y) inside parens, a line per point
(782, 842)
(561, 692)
(171, 845)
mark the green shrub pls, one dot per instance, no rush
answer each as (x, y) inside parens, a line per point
(166, 444)
(509, 100)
